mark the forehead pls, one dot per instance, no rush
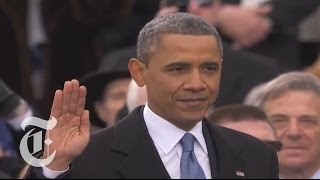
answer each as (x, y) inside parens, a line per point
(257, 128)
(117, 85)
(294, 102)
(180, 39)
(187, 46)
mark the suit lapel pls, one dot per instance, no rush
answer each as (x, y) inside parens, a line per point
(226, 162)
(132, 139)
(211, 151)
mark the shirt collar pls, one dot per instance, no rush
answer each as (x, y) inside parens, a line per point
(166, 135)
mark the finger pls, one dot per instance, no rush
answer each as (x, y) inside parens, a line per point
(85, 123)
(57, 104)
(74, 96)
(264, 10)
(67, 92)
(81, 101)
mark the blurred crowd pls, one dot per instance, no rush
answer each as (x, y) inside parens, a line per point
(271, 63)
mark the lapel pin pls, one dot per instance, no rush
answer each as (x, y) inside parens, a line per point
(240, 173)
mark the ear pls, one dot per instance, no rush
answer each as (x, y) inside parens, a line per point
(137, 69)
(98, 109)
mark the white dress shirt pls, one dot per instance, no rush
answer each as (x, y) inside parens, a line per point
(166, 137)
(35, 28)
(316, 175)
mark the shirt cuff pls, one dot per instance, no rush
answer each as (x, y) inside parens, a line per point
(50, 174)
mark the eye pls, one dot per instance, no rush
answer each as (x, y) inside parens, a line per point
(279, 123)
(308, 122)
(177, 69)
(210, 68)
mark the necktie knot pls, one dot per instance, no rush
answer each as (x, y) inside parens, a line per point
(187, 142)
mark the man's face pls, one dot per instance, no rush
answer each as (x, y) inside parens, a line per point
(114, 99)
(182, 78)
(257, 128)
(296, 117)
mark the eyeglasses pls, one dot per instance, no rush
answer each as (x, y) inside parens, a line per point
(277, 145)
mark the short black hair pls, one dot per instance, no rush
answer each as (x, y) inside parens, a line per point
(176, 23)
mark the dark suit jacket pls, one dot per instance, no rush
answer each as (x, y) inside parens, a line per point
(4, 176)
(127, 151)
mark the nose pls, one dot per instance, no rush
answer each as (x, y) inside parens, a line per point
(293, 131)
(195, 82)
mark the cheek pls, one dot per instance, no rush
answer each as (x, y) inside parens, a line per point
(315, 140)
(214, 86)
(162, 86)
(118, 104)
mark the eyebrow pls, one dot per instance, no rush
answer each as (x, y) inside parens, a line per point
(175, 64)
(309, 116)
(183, 64)
(302, 116)
(278, 116)
(216, 64)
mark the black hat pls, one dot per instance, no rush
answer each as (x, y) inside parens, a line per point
(113, 66)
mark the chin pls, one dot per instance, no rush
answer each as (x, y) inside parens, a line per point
(294, 163)
(194, 117)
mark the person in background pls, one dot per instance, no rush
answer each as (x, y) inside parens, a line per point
(39, 37)
(13, 110)
(270, 28)
(246, 119)
(137, 96)
(292, 103)
(108, 87)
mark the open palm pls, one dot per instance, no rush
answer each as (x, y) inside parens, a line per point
(72, 133)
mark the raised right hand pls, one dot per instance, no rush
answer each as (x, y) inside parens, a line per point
(72, 133)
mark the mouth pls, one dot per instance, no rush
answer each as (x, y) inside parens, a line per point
(293, 148)
(193, 101)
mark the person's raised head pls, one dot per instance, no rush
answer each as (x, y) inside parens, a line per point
(179, 59)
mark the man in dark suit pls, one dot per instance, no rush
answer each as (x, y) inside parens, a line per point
(179, 60)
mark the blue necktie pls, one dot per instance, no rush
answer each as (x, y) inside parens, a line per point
(189, 166)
